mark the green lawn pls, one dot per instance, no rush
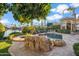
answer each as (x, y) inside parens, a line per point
(4, 45)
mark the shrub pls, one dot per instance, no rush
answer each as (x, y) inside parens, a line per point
(64, 31)
(1, 35)
(41, 29)
(55, 27)
(76, 48)
(2, 30)
(4, 46)
(29, 29)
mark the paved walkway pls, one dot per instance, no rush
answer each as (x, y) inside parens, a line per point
(17, 48)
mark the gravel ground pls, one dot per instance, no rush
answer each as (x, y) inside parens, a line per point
(17, 48)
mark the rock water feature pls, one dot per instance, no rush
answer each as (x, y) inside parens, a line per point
(38, 43)
(35, 45)
(41, 43)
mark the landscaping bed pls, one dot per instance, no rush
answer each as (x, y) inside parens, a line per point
(4, 45)
(64, 31)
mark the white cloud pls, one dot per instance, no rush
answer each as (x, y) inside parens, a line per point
(74, 4)
(61, 9)
(54, 17)
(66, 11)
(4, 21)
(53, 9)
(77, 16)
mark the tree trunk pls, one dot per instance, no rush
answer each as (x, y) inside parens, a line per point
(74, 14)
(41, 23)
(31, 23)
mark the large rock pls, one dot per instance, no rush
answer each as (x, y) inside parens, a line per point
(59, 43)
(51, 42)
(38, 43)
(44, 44)
(29, 43)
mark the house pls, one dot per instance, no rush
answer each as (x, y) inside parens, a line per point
(71, 24)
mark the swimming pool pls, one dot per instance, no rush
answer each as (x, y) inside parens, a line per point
(54, 36)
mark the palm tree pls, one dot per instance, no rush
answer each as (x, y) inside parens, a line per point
(72, 9)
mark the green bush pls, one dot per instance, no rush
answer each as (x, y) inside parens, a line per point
(1, 34)
(64, 31)
(55, 27)
(41, 29)
(76, 49)
(4, 46)
(29, 29)
(2, 30)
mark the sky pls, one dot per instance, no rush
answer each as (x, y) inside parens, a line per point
(55, 14)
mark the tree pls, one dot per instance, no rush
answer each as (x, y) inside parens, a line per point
(25, 13)
(72, 9)
(3, 8)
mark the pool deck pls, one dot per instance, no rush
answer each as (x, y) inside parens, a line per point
(18, 49)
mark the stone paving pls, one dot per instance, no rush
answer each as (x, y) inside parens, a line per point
(18, 49)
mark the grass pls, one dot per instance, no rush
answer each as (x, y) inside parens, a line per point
(4, 45)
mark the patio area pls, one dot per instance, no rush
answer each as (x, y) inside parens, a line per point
(18, 49)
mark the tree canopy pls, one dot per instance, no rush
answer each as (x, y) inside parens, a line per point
(2, 28)
(3, 9)
(28, 12)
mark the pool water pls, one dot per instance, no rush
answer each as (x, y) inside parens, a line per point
(54, 36)
(49, 35)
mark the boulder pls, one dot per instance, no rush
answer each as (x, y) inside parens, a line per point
(29, 43)
(51, 42)
(44, 44)
(59, 43)
(38, 43)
